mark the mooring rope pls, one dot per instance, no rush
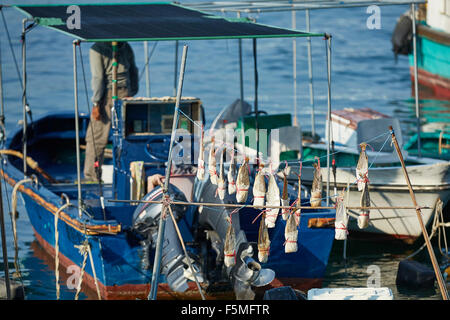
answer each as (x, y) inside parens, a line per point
(57, 244)
(85, 251)
(14, 216)
(436, 226)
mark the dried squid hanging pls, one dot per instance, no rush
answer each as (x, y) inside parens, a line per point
(221, 185)
(212, 163)
(341, 222)
(263, 240)
(201, 158)
(242, 182)
(272, 199)
(231, 174)
(229, 251)
(259, 188)
(362, 176)
(316, 189)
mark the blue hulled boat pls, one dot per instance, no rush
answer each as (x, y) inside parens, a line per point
(113, 225)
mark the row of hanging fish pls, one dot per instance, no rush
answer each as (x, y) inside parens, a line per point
(264, 197)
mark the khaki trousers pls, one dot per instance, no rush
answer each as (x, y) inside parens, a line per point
(97, 135)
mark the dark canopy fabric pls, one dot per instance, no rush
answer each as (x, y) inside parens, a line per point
(150, 21)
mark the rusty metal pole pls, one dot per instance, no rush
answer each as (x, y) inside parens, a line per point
(439, 278)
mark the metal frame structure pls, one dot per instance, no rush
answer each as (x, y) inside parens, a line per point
(268, 6)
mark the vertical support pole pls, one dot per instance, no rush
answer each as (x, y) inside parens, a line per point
(2, 106)
(77, 123)
(147, 71)
(4, 248)
(416, 79)
(310, 76)
(24, 98)
(294, 67)
(241, 73)
(437, 272)
(328, 46)
(176, 69)
(162, 222)
(255, 63)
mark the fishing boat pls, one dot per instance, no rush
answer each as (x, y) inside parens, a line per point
(433, 48)
(117, 223)
(388, 188)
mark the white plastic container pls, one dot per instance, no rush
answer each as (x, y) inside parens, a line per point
(351, 294)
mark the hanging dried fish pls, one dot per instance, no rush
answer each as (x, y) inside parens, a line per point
(291, 234)
(363, 219)
(284, 196)
(201, 159)
(221, 186)
(231, 174)
(340, 224)
(242, 182)
(362, 168)
(212, 163)
(316, 189)
(229, 251)
(263, 241)
(259, 188)
(272, 199)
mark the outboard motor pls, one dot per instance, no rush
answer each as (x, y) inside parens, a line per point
(247, 272)
(145, 224)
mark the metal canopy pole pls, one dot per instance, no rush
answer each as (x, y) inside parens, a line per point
(176, 69)
(147, 72)
(416, 80)
(294, 66)
(162, 222)
(310, 75)
(4, 247)
(255, 63)
(328, 47)
(77, 129)
(24, 98)
(241, 74)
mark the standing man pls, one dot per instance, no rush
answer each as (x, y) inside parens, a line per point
(101, 60)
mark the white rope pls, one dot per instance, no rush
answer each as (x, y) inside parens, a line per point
(85, 250)
(436, 226)
(57, 246)
(14, 216)
(93, 271)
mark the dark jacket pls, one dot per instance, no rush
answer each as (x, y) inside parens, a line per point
(101, 56)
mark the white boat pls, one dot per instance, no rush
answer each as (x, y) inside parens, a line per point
(429, 177)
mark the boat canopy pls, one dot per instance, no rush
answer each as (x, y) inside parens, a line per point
(149, 22)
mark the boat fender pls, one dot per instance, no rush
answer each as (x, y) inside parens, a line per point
(402, 36)
(281, 293)
(414, 274)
